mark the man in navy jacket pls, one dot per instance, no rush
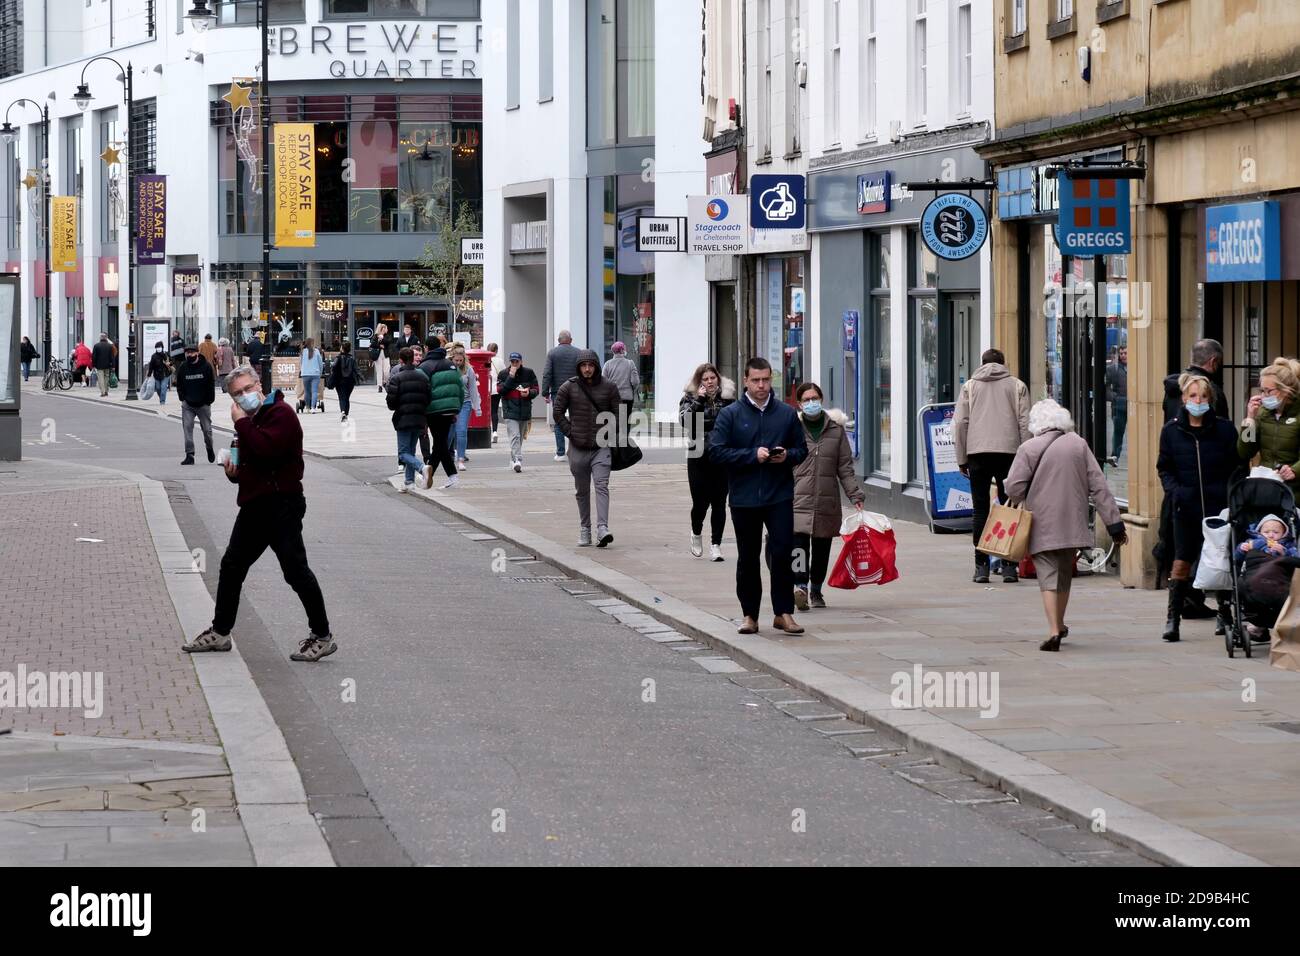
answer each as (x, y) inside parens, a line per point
(760, 441)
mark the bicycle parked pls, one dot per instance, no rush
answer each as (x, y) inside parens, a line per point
(56, 374)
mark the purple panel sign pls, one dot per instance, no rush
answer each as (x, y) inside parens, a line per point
(150, 219)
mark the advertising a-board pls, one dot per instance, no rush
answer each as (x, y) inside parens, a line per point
(947, 489)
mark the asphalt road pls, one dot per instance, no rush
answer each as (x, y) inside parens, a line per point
(500, 722)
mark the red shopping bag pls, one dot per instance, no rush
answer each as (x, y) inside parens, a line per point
(868, 553)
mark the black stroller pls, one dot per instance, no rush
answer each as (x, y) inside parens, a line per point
(1249, 501)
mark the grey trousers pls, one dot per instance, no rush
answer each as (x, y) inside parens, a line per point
(515, 431)
(204, 413)
(588, 465)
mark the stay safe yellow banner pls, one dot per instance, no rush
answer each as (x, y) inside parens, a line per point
(295, 184)
(63, 237)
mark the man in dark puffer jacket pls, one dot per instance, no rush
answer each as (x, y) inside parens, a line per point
(586, 412)
(408, 396)
(446, 396)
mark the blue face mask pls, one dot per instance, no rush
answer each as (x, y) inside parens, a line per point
(249, 401)
(1197, 409)
(812, 409)
(1271, 402)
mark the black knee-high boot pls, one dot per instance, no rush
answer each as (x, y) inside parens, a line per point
(1177, 592)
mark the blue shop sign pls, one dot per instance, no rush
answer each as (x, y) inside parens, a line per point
(954, 226)
(873, 193)
(1243, 242)
(1094, 216)
(777, 202)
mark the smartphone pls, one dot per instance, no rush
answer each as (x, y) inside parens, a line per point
(778, 450)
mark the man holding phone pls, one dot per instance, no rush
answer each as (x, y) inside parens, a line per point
(760, 442)
(268, 469)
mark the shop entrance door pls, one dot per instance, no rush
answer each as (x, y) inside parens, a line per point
(723, 345)
(958, 345)
(1084, 307)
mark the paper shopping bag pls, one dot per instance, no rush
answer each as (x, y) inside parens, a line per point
(1284, 653)
(1006, 533)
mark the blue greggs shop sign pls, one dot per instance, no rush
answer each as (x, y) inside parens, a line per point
(1243, 242)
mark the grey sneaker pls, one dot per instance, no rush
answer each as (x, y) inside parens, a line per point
(209, 640)
(584, 537)
(603, 537)
(314, 648)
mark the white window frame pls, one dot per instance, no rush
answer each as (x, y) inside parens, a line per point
(833, 79)
(1064, 9)
(764, 79)
(867, 71)
(1019, 18)
(919, 73)
(795, 53)
(963, 61)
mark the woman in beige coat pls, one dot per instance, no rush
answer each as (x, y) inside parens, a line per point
(1055, 473)
(817, 484)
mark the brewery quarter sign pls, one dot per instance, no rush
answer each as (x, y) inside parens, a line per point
(954, 226)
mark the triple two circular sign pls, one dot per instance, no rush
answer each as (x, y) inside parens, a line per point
(954, 226)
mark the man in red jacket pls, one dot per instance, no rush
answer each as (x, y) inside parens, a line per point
(268, 470)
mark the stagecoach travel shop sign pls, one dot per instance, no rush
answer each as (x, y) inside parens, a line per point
(448, 51)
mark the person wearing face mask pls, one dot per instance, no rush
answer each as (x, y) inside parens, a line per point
(160, 369)
(1271, 428)
(196, 386)
(817, 484)
(1198, 454)
(268, 471)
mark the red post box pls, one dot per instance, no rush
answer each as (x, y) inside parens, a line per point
(480, 424)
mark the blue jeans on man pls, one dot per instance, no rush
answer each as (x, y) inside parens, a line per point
(559, 437)
(162, 384)
(407, 438)
(27, 370)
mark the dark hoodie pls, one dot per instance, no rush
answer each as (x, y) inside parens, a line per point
(270, 452)
(579, 404)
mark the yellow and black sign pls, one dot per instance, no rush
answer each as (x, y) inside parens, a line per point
(63, 238)
(295, 184)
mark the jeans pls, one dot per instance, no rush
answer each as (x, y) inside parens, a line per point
(162, 385)
(708, 484)
(1119, 422)
(344, 390)
(462, 430)
(406, 439)
(813, 556)
(102, 377)
(749, 524)
(310, 387)
(275, 522)
(188, 413)
(27, 370)
(515, 432)
(496, 411)
(588, 465)
(985, 468)
(440, 449)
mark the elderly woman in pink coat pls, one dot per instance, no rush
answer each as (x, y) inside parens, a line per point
(1054, 474)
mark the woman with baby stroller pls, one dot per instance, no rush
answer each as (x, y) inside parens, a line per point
(1198, 454)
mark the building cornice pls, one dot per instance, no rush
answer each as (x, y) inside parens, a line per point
(965, 135)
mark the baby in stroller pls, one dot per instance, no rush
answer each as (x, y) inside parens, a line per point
(1265, 581)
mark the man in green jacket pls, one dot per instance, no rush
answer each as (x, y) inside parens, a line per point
(448, 391)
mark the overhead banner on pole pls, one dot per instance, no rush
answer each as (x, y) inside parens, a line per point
(295, 184)
(150, 219)
(63, 238)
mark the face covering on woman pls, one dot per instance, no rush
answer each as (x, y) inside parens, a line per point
(812, 408)
(1271, 402)
(1197, 409)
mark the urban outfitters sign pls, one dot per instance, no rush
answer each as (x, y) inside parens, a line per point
(295, 184)
(447, 51)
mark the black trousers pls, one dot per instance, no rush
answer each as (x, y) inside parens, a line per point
(344, 390)
(749, 523)
(813, 555)
(985, 468)
(275, 522)
(1119, 423)
(440, 451)
(496, 410)
(708, 484)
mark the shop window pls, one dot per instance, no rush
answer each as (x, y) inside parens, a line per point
(373, 197)
(332, 189)
(403, 9)
(467, 167)
(621, 71)
(424, 176)
(794, 296)
(243, 13)
(111, 182)
(238, 167)
(881, 342)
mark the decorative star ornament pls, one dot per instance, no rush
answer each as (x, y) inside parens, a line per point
(30, 180)
(110, 156)
(238, 97)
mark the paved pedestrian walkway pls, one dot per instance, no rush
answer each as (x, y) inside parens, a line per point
(122, 751)
(1178, 731)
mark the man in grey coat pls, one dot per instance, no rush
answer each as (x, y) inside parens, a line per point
(561, 365)
(991, 422)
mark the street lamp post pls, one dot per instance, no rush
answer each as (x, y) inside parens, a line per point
(82, 98)
(8, 133)
(202, 18)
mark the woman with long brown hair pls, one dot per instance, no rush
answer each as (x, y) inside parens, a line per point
(706, 394)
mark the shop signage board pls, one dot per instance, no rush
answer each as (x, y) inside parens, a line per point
(295, 184)
(954, 226)
(63, 237)
(777, 201)
(660, 234)
(1094, 216)
(717, 225)
(1243, 242)
(150, 219)
(473, 252)
(874, 193)
(948, 496)
(285, 373)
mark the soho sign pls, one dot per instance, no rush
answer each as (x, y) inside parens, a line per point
(423, 50)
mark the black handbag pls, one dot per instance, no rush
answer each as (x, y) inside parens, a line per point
(625, 456)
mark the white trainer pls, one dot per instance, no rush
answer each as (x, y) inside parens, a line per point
(451, 482)
(697, 545)
(715, 552)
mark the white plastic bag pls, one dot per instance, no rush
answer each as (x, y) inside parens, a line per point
(1214, 570)
(1260, 471)
(864, 519)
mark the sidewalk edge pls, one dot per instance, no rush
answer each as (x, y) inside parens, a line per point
(1031, 782)
(269, 794)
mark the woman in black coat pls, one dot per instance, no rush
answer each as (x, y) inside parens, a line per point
(1198, 454)
(706, 394)
(27, 354)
